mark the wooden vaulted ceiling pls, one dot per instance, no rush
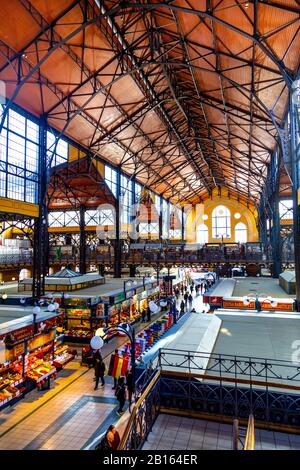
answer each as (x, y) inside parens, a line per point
(186, 95)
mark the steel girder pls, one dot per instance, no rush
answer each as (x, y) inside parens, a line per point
(192, 146)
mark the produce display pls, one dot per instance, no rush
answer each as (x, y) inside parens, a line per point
(63, 355)
(38, 370)
(79, 332)
(8, 393)
(8, 382)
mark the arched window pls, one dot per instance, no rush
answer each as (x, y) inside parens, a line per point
(221, 222)
(240, 233)
(202, 233)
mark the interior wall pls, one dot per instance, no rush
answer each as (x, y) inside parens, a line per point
(195, 218)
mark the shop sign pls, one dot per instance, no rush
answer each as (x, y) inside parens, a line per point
(50, 323)
(280, 306)
(166, 287)
(95, 300)
(19, 349)
(215, 300)
(139, 290)
(238, 304)
(116, 299)
(21, 333)
(2, 352)
(40, 340)
(130, 293)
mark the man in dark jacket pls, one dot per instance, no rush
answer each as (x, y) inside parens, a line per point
(121, 395)
(129, 385)
(99, 367)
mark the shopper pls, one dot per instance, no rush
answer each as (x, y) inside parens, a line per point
(110, 440)
(186, 296)
(143, 315)
(96, 355)
(182, 290)
(121, 395)
(129, 385)
(113, 437)
(99, 367)
(192, 288)
(190, 298)
(148, 314)
(182, 307)
(197, 289)
(111, 368)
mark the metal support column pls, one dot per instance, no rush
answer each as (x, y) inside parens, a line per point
(276, 241)
(295, 163)
(160, 220)
(82, 242)
(118, 240)
(182, 225)
(40, 239)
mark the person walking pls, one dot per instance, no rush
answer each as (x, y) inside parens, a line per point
(99, 368)
(113, 437)
(129, 385)
(186, 296)
(148, 314)
(121, 395)
(110, 440)
(190, 298)
(182, 307)
(112, 368)
(192, 288)
(143, 315)
(197, 289)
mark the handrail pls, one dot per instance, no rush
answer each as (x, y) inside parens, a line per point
(250, 436)
(135, 410)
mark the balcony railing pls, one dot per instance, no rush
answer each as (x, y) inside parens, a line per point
(16, 259)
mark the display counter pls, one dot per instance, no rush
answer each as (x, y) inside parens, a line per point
(27, 354)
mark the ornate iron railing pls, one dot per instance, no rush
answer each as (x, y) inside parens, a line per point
(11, 259)
(226, 367)
(143, 416)
(228, 387)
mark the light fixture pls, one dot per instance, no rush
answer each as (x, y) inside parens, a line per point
(246, 5)
(99, 332)
(205, 217)
(36, 310)
(96, 342)
(237, 215)
(4, 296)
(13, 278)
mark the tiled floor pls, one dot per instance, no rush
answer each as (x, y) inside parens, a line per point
(179, 433)
(68, 416)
